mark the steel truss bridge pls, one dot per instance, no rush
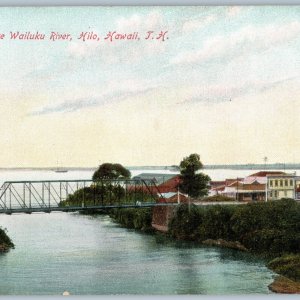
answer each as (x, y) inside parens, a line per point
(77, 195)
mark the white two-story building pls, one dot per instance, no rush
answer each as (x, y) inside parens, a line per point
(281, 186)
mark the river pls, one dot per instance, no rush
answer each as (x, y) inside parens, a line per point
(88, 255)
(92, 255)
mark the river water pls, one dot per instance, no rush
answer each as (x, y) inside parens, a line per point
(92, 255)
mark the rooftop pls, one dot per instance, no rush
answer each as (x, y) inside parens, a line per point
(265, 173)
(157, 177)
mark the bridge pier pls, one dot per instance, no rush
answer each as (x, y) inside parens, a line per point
(161, 217)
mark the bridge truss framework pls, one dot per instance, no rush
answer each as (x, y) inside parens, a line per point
(53, 195)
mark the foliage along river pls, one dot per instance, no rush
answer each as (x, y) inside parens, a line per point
(92, 255)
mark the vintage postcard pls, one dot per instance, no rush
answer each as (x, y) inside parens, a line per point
(150, 150)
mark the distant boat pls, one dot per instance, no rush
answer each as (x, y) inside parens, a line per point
(60, 170)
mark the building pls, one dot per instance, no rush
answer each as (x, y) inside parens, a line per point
(255, 185)
(164, 183)
(281, 186)
(223, 187)
(260, 186)
(174, 197)
(156, 177)
(297, 187)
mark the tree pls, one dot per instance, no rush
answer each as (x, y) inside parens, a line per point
(195, 185)
(111, 171)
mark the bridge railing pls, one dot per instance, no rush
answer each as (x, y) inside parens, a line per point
(74, 193)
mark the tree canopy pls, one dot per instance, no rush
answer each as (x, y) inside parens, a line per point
(195, 185)
(189, 165)
(111, 171)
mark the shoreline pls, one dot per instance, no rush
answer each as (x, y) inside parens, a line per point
(5, 242)
(280, 284)
(4, 248)
(284, 285)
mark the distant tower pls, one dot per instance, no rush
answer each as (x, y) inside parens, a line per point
(265, 161)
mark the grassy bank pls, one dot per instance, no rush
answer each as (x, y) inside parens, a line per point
(136, 218)
(288, 267)
(5, 241)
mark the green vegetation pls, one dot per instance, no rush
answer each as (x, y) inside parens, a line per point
(140, 218)
(105, 191)
(218, 198)
(5, 241)
(288, 266)
(202, 222)
(99, 193)
(195, 185)
(271, 228)
(111, 171)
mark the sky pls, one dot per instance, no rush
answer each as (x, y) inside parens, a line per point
(224, 83)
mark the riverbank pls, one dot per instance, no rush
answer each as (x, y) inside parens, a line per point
(288, 267)
(283, 285)
(134, 218)
(268, 230)
(5, 241)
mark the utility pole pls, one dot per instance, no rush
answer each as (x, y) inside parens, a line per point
(237, 189)
(265, 161)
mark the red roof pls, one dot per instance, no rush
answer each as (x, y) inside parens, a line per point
(219, 188)
(265, 173)
(229, 181)
(170, 185)
(174, 199)
(216, 183)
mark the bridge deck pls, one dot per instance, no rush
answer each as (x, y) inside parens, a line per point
(79, 208)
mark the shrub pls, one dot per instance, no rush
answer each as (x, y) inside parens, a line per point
(283, 215)
(216, 222)
(271, 228)
(218, 198)
(200, 223)
(185, 224)
(135, 218)
(288, 266)
(5, 239)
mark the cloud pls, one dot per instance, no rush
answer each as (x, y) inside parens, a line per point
(116, 92)
(197, 24)
(244, 41)
(82, 49)
(152, 21)
(233, 11)
(67, 106)
(201, 22)
(216, 93)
